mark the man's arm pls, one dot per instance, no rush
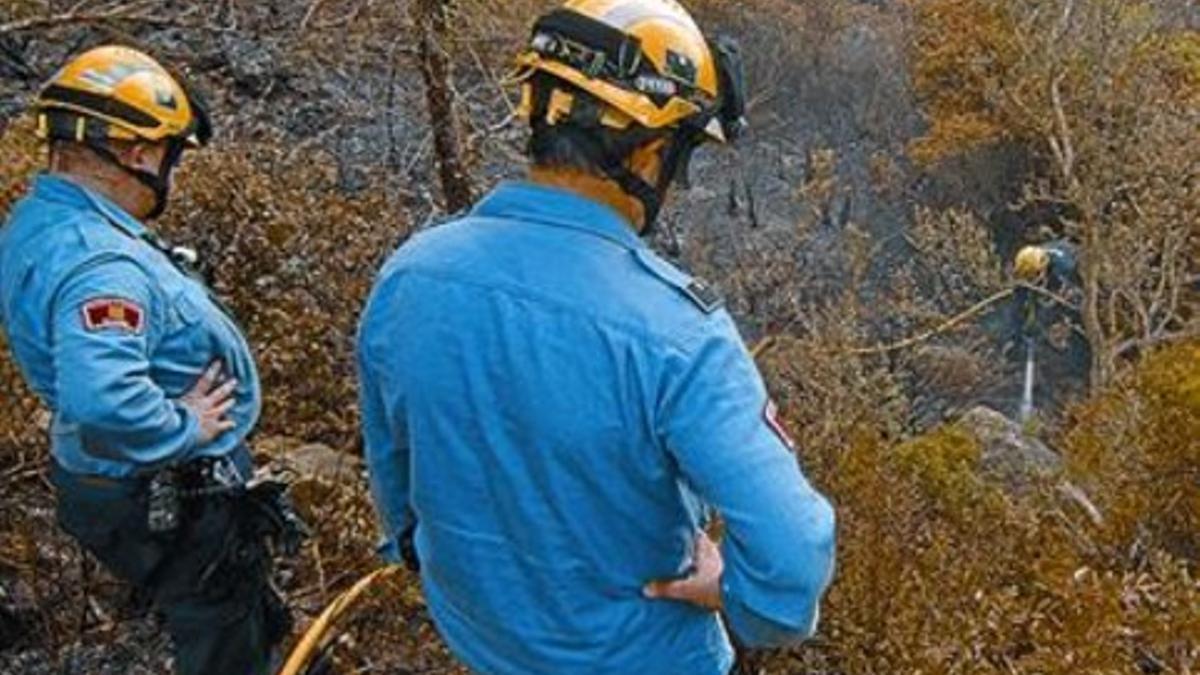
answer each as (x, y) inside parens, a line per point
(386, 448)
(104, 317)
(1064, 262)
(778, 548)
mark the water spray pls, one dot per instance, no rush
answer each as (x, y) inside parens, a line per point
(1027, 392)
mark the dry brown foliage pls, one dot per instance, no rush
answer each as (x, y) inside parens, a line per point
(941, 571)
(295, 257)
(1105, 93)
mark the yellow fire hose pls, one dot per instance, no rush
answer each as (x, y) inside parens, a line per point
(769, 342)
(317, 636)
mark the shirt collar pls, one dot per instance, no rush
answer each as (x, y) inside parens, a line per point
(61, 189)
(557, 207)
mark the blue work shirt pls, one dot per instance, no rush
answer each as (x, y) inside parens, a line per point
(110, 334)
(556, 408)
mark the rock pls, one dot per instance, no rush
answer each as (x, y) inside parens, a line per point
(311, 460)
(322, 461)
(1010, 456)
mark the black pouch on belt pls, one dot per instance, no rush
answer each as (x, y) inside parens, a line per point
(268, 510)
(164, 502)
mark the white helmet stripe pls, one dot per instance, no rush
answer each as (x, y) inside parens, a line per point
(626, 14)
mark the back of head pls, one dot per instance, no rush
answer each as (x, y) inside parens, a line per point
(602, 78)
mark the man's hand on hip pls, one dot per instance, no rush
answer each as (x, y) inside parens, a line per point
(210, 401)
(702, 587)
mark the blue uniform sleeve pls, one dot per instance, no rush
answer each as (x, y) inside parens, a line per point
(719, 425)
(1064, 262)
(386, 449)
(105, 317)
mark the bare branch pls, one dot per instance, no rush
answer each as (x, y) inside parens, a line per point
(1064, 22)
(140, 12)
(430, 18)
(1146, 343)
(133, 11)
(313, 8)
(1064, 150)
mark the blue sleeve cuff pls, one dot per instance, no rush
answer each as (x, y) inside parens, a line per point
(388, 549)
(191, 431)
(758, 632)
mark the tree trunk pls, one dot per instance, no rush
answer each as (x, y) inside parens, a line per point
(1092, 326)
(430, 19)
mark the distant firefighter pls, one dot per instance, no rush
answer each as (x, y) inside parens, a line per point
(1053, 267)
(1054, 264)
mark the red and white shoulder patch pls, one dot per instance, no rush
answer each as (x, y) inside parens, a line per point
(113, 314)
(771, 417)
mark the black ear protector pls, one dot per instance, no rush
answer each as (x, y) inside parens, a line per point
(731, 74)
(201, 127)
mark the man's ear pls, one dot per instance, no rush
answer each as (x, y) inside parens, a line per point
(145, 157)
(646, 161)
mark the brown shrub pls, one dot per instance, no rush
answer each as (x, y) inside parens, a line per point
(295, 258)
(1137, 448)
(942, 572)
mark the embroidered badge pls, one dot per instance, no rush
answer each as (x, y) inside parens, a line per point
(771, 416)
(113, 313)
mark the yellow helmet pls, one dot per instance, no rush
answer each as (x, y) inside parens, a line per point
(1031, 263)
(647, 60)
(641, 66)
(118, 93)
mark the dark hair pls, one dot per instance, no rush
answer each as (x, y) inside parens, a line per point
(571, 144)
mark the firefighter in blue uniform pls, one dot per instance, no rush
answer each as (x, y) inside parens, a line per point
(551, 411)
(151, 383)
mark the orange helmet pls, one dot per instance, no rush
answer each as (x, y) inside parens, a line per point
(118, 93)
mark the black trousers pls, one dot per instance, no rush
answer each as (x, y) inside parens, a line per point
(209, 579)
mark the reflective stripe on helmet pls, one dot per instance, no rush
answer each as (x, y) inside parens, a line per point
(56, 96)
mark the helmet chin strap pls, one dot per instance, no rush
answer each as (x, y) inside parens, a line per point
(675, 156)
(650, 196)
(159, 183)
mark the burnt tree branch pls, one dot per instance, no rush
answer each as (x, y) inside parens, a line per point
(430, 17)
